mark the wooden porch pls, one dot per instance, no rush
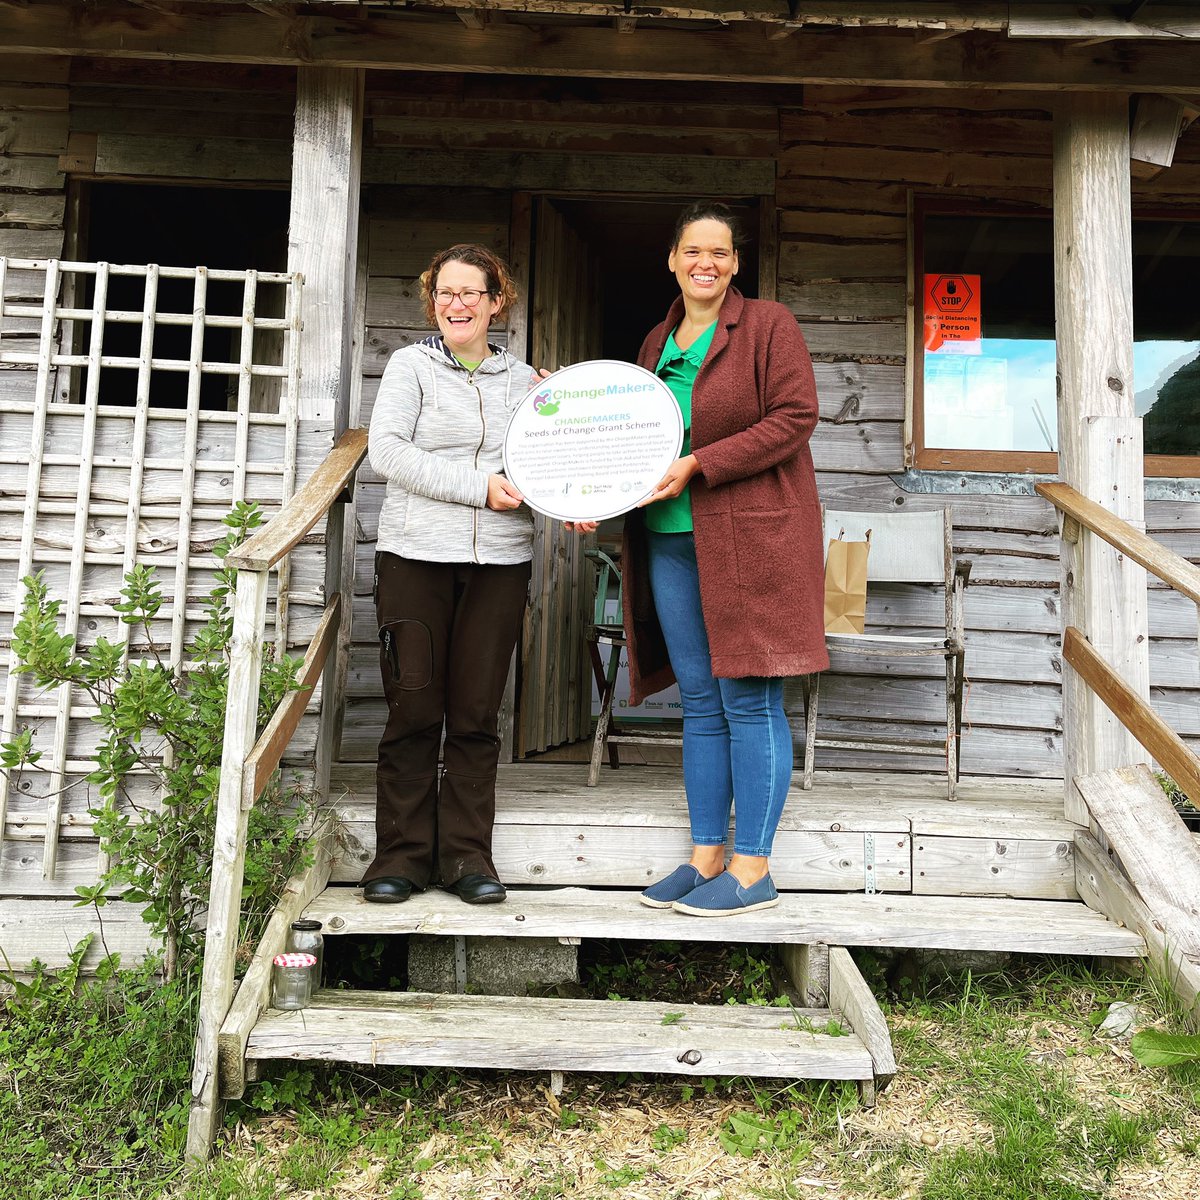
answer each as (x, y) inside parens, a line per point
(863, 859)
(856, 831)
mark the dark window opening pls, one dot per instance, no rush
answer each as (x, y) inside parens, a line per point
(220, 228)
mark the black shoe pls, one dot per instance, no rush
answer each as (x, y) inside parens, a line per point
(479, 889)
(388, 889)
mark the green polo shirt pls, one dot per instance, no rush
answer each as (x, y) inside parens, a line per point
(678, 370)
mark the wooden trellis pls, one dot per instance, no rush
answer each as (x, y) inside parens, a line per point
(90, 488)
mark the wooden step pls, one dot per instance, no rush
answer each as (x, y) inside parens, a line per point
(896, 833)
(520, 1033)
(808, 918)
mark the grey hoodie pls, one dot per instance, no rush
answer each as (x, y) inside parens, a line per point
(437, 433)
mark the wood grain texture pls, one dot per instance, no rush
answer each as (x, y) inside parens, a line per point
(1100, 445)
(229, 853)
(47, 930)
(306, 507)
(983, 866)
(1156, 850)
(1106, 889)
(1171, 568)
(394, 41)
(1158, 739)
(945, 922)
(254, 991)
(415, 1028)
(850, 996)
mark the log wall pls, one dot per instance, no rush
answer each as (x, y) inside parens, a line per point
(154, 490)
(442, 157)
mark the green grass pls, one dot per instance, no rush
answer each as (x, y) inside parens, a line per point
(94, 1080)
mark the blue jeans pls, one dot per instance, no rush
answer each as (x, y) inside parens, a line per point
(736, 739)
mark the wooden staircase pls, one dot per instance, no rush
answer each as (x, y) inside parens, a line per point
(847, 1039)
(575, 843)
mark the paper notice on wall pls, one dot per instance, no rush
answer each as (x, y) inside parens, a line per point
(952, 314)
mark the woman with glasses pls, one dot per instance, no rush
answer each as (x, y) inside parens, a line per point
(723, 563)
(451, 577)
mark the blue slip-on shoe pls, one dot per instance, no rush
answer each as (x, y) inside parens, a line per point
(724, 896)
(681, 881)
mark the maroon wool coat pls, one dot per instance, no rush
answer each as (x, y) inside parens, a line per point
(756, 516)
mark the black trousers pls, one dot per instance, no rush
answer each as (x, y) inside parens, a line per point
(446, 636)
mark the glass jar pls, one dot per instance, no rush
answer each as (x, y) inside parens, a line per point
(292, 980)
(304, 937)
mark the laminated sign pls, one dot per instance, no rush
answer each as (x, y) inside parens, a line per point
(952, 314)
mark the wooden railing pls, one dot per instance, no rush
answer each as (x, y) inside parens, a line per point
(247, 764)
(1131, 709)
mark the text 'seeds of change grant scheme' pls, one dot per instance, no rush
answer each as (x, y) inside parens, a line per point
(592, 440)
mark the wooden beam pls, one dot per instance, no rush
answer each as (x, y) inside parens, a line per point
(1103, 22)
(1105, 889)
(254, 991)
(1157, 123)
(229, 857)
(1099, 438)
(323, 232)
(850, 995)
(273, 8)
(1155, 849)
(305, 508)
(1162, 562)
(1150, 730)
(963, 15)
(274, 739)
(398, 40)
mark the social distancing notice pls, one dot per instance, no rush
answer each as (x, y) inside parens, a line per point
(952, 314)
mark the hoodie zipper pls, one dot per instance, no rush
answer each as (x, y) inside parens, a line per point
(478, 451)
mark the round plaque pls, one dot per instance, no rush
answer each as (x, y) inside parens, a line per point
(591, 440)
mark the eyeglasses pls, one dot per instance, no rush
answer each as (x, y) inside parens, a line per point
(470, 297)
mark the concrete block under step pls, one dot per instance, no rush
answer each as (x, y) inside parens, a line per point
(489, 966)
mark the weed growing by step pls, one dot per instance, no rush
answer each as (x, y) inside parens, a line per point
(95, 1074)
(94, 1080)
(168, 726)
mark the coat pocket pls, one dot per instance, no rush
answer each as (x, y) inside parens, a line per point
(406, 655)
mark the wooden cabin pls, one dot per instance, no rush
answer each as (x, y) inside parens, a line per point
(212, 220)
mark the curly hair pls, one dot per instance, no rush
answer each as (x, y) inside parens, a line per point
(500, 283)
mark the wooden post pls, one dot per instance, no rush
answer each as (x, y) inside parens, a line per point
(323, 244)
(1099, 438)
(229, 854)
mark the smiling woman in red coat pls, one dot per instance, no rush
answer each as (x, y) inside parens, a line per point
(723, 563)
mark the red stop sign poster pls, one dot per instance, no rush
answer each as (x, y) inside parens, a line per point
(952, 322)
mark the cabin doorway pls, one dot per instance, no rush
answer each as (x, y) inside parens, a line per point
(598, 283)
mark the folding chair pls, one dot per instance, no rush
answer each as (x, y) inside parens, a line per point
(908, 548)
(607, 630)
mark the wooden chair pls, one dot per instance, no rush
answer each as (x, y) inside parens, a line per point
(914, 548)
(607, 630)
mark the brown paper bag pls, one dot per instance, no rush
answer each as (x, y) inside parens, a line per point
(846, 585)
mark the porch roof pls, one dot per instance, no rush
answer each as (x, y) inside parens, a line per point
(1035, 44)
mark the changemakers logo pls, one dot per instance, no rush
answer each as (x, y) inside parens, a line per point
(544, 406)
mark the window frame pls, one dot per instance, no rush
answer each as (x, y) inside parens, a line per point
(1012, 462)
